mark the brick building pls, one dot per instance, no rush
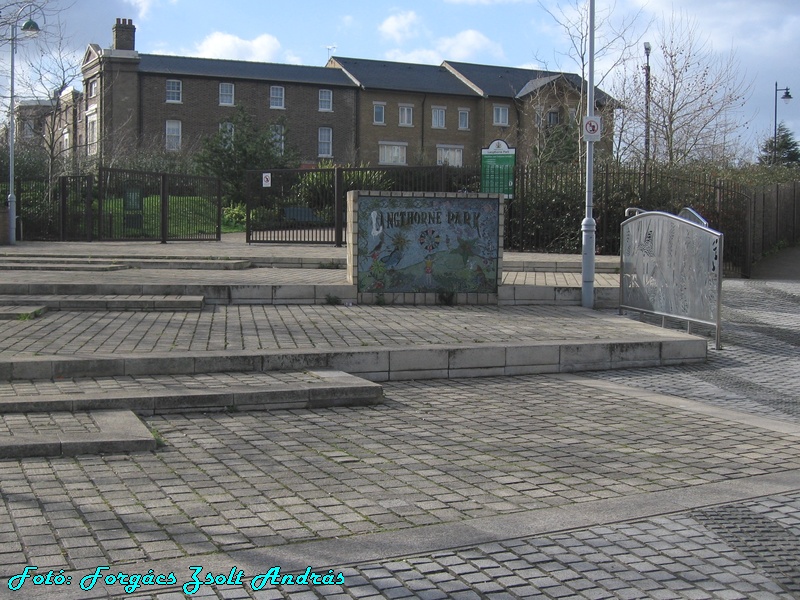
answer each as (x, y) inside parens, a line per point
(350, 111)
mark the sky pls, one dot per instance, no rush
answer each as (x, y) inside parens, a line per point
(763, 34)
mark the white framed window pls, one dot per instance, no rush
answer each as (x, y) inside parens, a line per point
(500, 115)
(379, 113)
(326, 100)
(227, 129)
(91, 134)
(437, 117)
(28, 128)
(174, 91)
(65, 140)
(325, 139)
(406, 115)
(226, 94)
(450, 155)
(392, 153)
(92, 89)
(277, 97)
(173, 135)
(463, 118)
(278, 135)
(553, 118)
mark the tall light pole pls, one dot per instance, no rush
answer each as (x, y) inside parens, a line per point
(786, 97)
(647, 49)
(30, 28)
(589, 225)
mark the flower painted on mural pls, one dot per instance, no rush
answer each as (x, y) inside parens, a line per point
(429, 240)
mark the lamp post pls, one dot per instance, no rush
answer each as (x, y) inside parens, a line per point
(31, 28)
(647, 49)
(786, 97)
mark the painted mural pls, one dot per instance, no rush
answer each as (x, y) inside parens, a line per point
(427, 244)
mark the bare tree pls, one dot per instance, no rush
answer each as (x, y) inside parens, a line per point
(697, 100)
(615, 38)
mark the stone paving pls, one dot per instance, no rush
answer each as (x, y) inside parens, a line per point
(679, 482)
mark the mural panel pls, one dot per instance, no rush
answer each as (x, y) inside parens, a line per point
(671, 267)
(408, 244)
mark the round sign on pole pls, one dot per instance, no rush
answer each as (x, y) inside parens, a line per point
(592, 129)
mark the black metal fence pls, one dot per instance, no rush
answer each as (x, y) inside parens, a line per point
(119, 205)
(136, 205)
(308, 205)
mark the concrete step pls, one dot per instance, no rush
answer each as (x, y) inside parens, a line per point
(65, 263)
(61, 266)
(157, 394)
(71, 434)
(22, 312)
(657, 347)
(149, 302)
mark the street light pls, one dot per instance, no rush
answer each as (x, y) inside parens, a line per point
(786, 97)
(29, 28)
(647, 49)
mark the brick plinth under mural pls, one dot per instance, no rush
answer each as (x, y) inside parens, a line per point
(425, 248)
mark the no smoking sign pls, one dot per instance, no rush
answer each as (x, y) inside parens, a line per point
(592, 129)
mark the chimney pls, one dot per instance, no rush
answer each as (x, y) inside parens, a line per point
(124, 33)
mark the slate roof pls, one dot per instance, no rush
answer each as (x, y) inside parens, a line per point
(397, 76)
(240, 69)
(509, 82)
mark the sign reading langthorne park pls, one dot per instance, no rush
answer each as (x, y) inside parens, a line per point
(428, 244)
(497, 168)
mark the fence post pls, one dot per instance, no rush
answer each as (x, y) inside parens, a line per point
(88, 181)
(164, 208)
(62, 192)
(338, 205)
(219, 209)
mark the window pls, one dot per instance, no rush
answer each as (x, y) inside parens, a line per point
(406, 115)
(91, 134)
(173, 135)
(325, 139)
(226, 94)
(392, 153)
(28, 128)
(552, 118)
(226, 130)
(276, 97)
(65, 140)
(379, 113)
(500, 116)
(463, 118)
(437, 117)
(278, 135)
(325, 100)
(92, 89)
(174, 90)
(450, 155)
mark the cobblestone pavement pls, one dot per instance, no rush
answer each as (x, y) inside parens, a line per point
(302, 326)
(647, 483)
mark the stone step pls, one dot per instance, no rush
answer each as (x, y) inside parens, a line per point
(61, 266)
(149, 302)
(72, 263)
(70, 434)
(657, 347)
(22, 312)
(157, 394)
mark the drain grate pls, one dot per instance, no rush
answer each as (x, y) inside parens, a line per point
(771, 547)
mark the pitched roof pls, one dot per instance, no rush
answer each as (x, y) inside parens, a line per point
(511, 82)
(397, 76)
(240, 69)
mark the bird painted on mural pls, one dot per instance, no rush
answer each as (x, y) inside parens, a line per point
(394, 257)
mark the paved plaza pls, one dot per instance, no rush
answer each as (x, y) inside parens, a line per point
(660, 482)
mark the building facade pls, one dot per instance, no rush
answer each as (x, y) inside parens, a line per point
(351, 111)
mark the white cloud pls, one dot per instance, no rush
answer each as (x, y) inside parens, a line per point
(142, 6)
(466, 45)
(400, 27)
(487, 2)
(264, 48)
